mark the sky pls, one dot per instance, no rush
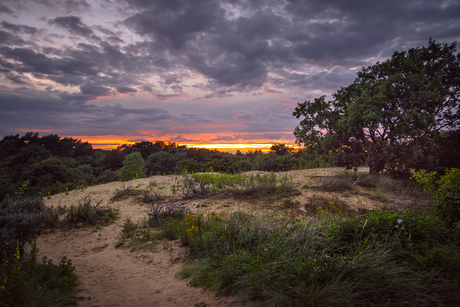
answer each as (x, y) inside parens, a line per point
(221, 74)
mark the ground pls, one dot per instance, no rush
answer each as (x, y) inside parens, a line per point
(111, 276)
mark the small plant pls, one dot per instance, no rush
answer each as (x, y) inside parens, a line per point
(174, 189)
(129, 229)
(48, 196)
(66, 191)
(22, 189)
(123, 192)
(82, 187)
(152, 184)
(149, 198)
(88, 213)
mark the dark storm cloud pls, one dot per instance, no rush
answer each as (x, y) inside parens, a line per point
(239, 51)
(10, 39)
(6, 10)
(73, 24)
(30, 61)
(69, 6)
(126, 90)
(115, 40)
(104, 30)
(94, 90)
(20, 28)
(186, 51)
(50, 111)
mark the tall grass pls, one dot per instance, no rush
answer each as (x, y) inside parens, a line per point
(238, 185)
(328, 262)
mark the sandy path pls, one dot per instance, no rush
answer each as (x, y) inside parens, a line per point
(118, 277)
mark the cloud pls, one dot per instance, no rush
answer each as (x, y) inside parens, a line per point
(20, 28)
(202, 66)
(10, 39)
(6, 10)
(73, 24)
(126, 90)
(94, 90)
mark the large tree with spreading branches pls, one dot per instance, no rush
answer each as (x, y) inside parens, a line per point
(392, 115)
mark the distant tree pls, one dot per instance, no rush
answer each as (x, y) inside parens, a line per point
(161, 162)
(392, 114)
(280, 149)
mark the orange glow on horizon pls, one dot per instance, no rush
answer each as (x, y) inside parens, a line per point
(109, 142)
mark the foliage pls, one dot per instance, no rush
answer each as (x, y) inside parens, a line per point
(25, 282)
(447, 193)
(281, 149)
(391, 116)
(161, 163)
(386, 258)
(133, 167)
(89, 213)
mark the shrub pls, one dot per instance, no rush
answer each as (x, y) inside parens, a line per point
(25, 282)
(133, 167)
(447, 193)
(88, 213)
(107, 176)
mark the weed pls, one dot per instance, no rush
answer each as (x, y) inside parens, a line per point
(149, 198)
(123, 192)
(152, 184)
(129, 229)
(88, 213)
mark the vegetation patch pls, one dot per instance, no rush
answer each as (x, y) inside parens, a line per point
(88, 212)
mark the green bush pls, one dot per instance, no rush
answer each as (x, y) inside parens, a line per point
(447, 199)
(447, 193)
(133, 167)
(25, 282)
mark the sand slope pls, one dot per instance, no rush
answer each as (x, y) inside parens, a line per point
(118, 277)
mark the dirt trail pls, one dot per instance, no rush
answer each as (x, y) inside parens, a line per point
(118, 277)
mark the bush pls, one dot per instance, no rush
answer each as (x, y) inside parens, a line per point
(88, 213)
(25, 282)
(447, 193)
(447, 199)
(133, 167)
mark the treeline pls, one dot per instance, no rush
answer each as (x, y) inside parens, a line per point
(38, 165)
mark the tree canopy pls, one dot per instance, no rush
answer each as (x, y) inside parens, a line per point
(392, 114)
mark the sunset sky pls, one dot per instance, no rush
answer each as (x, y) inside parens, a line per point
(214, 73)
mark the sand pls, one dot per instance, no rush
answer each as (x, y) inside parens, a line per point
(110, 276)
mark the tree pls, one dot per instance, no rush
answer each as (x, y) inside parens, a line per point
(161, 162)
(281, 149)
(133, 167)
(392, 114)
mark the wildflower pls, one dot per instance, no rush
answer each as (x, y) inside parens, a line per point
(399, 221)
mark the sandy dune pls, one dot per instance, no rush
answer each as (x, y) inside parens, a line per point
(118, 277)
